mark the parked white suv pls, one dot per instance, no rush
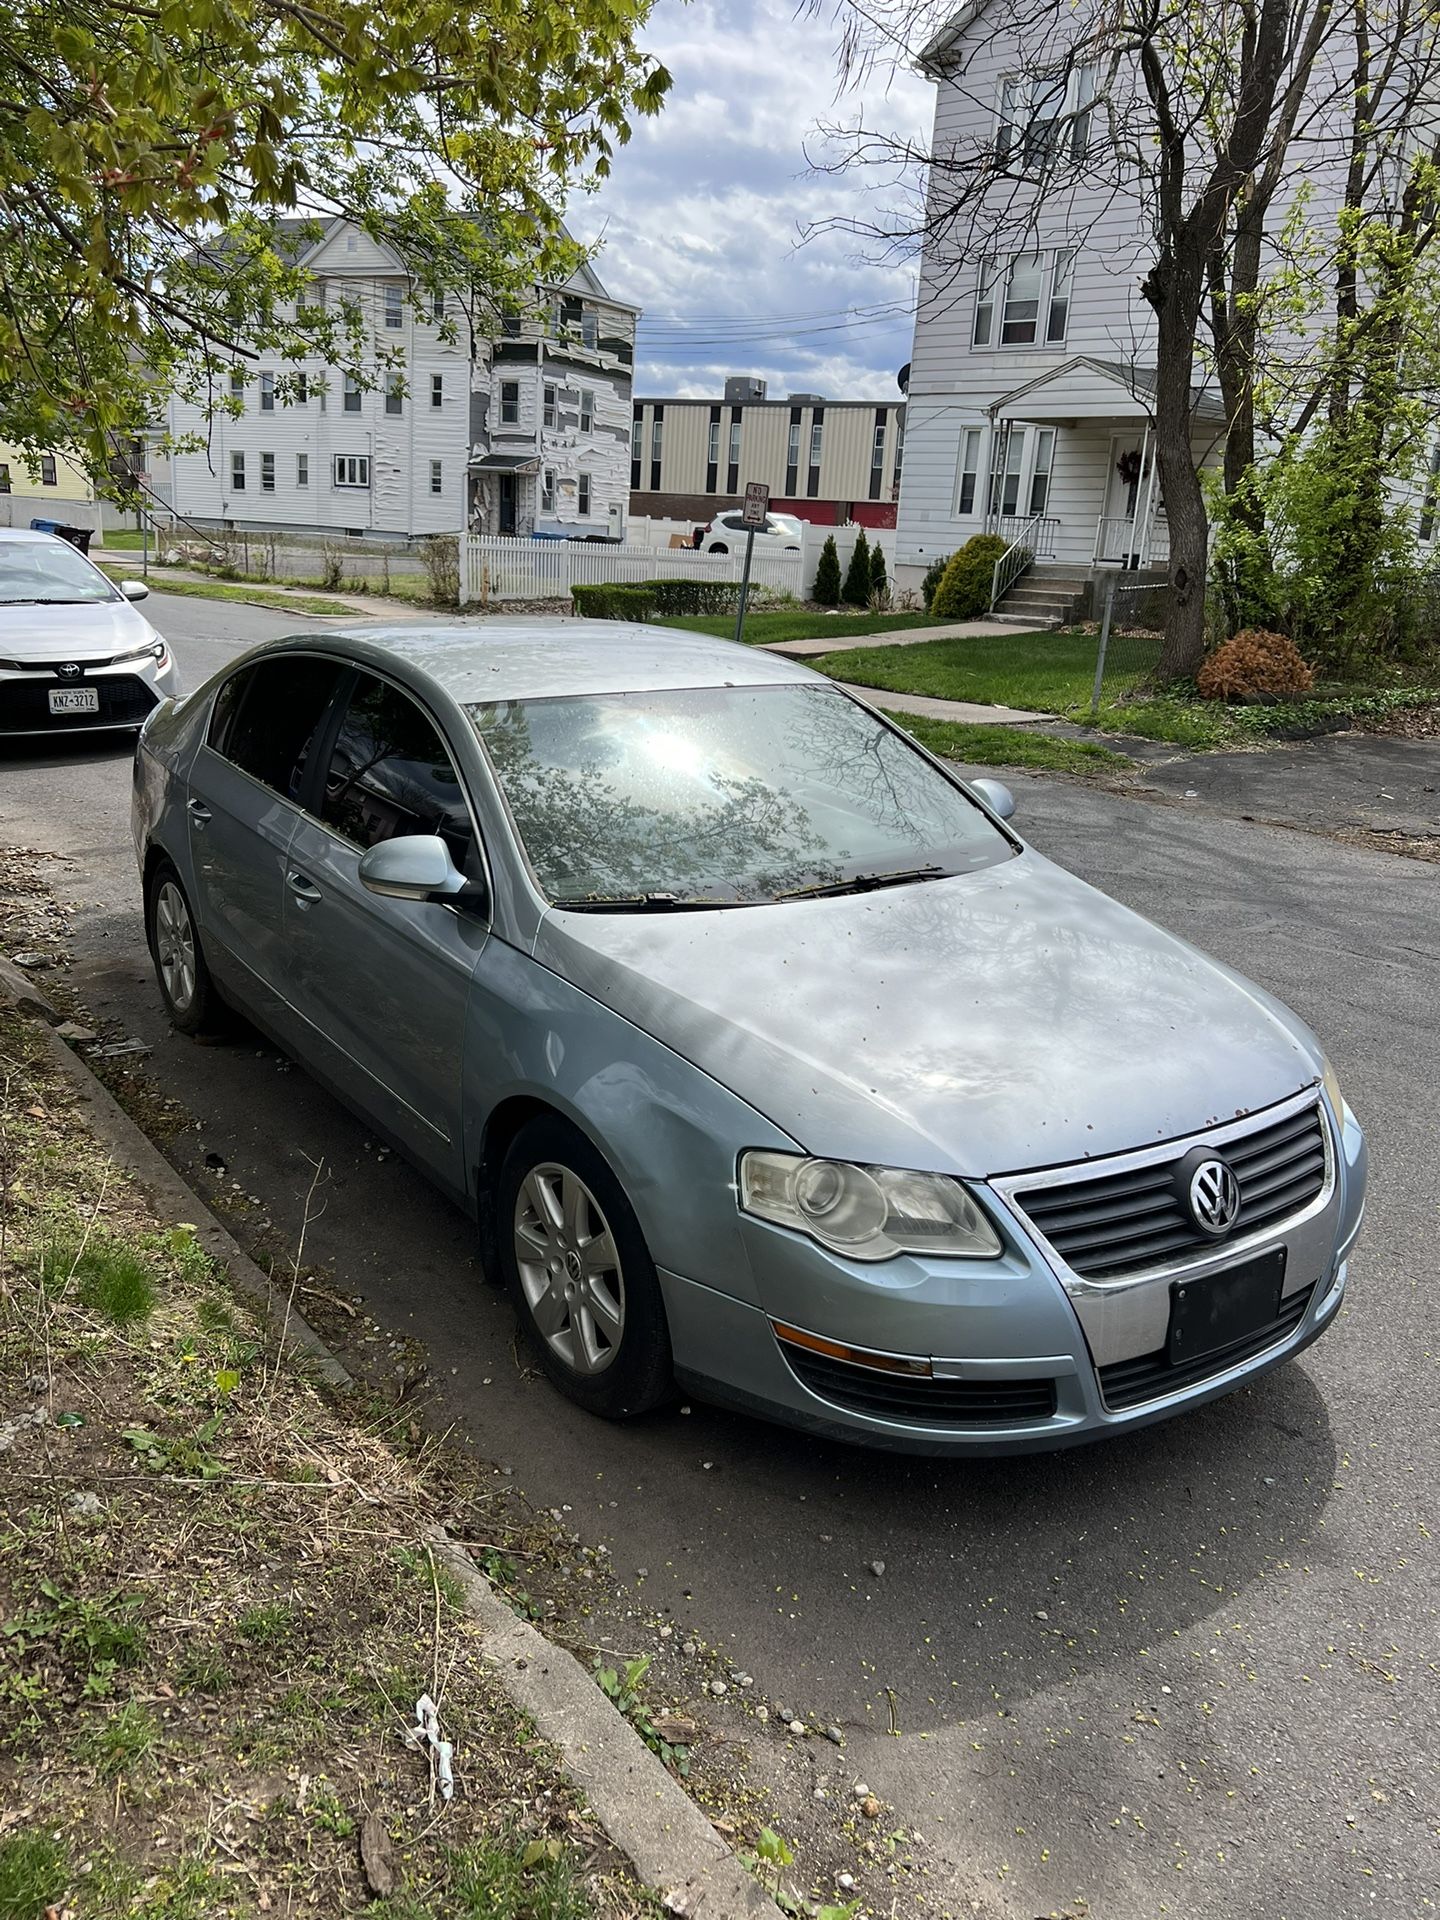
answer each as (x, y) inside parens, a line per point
(726, 533)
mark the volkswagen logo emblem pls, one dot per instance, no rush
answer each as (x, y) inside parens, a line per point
(1213, 1195)
(70, 671)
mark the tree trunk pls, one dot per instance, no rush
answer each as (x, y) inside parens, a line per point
(1173, 288)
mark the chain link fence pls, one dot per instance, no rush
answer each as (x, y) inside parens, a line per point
(1129, 638)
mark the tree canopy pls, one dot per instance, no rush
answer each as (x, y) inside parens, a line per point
(156, 154)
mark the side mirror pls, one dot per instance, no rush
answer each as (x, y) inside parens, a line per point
(416, 866)
(134, 590)
(996, 795)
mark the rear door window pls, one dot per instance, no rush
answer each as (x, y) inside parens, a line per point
(267, 716)
(390, 774)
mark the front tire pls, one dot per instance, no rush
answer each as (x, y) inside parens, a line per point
(580, 1274)
(184, 979)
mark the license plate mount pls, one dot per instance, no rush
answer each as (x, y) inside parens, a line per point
(74, 700)
(1220, 1310)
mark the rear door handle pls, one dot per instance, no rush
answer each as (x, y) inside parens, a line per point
(305, 891)
(198, 812)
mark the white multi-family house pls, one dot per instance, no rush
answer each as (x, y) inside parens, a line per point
(525, 432)
(1032, 376)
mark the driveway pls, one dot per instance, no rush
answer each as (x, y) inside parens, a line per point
(1193, 1672)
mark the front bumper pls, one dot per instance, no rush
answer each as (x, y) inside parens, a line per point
(1011, 1369)
(124, 694)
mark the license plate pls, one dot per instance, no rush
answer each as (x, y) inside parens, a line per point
(1223, 1309)
(74, 700)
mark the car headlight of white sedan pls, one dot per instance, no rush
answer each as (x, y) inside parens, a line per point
(866, 1213)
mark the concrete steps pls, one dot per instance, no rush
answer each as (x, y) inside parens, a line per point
(1042, 600)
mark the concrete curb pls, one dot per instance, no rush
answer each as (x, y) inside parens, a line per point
(648, 1815)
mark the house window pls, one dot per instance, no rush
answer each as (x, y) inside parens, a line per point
(657, 437)
(547, 490)
(437, 307)
(437, 476)
(587, 410)
(548, 410)
(302, 469)
(1021, 315)
(302, 389)
(590, 331)
(1005, 483)
(1040, 470)
(510, 325)
(734, 442)
(967, 472)
(352, 393)
(1432, 493)
(352, 470)
(394, 306)
(712, 453)
(583, 499)
(509, 403)
(637, 446)
(877, 454)
(237, 473)
(817, 441)
(394, 394)
(267, 473)
(792, 453)
(1062, 273)
(4, 476)
(899, 456)
(1044, 117)
(267, 393)
(237, 384)
(992, 274)
(47, 470)
(437, 389)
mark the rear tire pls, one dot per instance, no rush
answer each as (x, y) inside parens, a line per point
(718, 547)
(184, 979)
(580, 1274)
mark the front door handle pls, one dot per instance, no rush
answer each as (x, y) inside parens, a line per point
(198, 811)
(305, 891)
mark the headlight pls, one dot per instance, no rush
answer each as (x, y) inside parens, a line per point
(1330, 1080)
(869, 1213)
(156, 651)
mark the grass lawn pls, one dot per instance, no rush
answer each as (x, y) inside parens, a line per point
(246, 596)
(122, 540)
(765, 629)
(1010, 747)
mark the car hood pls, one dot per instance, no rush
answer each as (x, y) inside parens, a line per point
(988, 1023)
(93, 632)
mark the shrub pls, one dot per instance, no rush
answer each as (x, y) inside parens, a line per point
(827, 575)
(694, 596)
(609, 601)
(1253, 664)
(856, 590)
(964, 590)
(441, 554)
(879, 577)
(930, 585)
(332, 565)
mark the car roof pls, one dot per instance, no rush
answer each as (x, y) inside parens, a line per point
(527, 659)
(34, 535)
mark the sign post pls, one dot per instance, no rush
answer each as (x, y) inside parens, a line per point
(757, 505)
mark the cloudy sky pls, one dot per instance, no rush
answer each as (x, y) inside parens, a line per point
(701, 221)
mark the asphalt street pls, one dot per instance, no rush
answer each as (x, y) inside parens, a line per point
(1193, 1672)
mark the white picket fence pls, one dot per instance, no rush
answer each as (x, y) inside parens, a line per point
(493, 568)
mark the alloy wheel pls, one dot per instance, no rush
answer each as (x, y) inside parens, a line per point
(175, 946)
(569, 1268)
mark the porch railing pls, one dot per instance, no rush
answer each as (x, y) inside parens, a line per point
(1124, 542)
(1030, 538)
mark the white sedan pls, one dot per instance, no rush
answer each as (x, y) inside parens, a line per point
(782, 533)
(75, 654)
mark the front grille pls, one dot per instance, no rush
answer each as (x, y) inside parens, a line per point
(24, 704)
(1121, 1222)
(1128, 1382)
(921, 1401)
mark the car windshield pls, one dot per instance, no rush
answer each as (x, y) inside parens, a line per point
(724, 796)
(48, 572)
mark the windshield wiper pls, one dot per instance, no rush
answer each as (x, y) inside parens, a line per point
(866, 883)
(641, 903)
(52, 602)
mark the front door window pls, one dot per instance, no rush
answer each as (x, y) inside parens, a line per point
(507, 503)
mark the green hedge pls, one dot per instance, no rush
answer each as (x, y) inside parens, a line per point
(964, 590)
(650, 597)
(612, 602)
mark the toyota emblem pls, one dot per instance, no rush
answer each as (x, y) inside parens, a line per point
(1214, 1197)
(70, 671)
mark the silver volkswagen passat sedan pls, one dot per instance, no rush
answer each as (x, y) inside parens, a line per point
(75, 654)
(770, 1060)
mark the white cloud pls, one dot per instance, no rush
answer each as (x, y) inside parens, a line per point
(701, 222)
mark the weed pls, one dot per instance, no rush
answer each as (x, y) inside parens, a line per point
(623, 1689)
(425, 1567)
(266, 1626)
(505, 1879)
(107, 1276)
(182, 1456)
(33, 1873)
(202, 1669)
(327, 1812)
(122, 1741)
(89, 1633)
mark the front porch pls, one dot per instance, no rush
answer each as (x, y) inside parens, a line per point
(1073, 479)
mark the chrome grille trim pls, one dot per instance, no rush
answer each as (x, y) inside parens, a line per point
(1123, 1200)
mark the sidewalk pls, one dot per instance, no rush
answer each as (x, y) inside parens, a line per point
(964, 712)
(905, 637)
(367, 605)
